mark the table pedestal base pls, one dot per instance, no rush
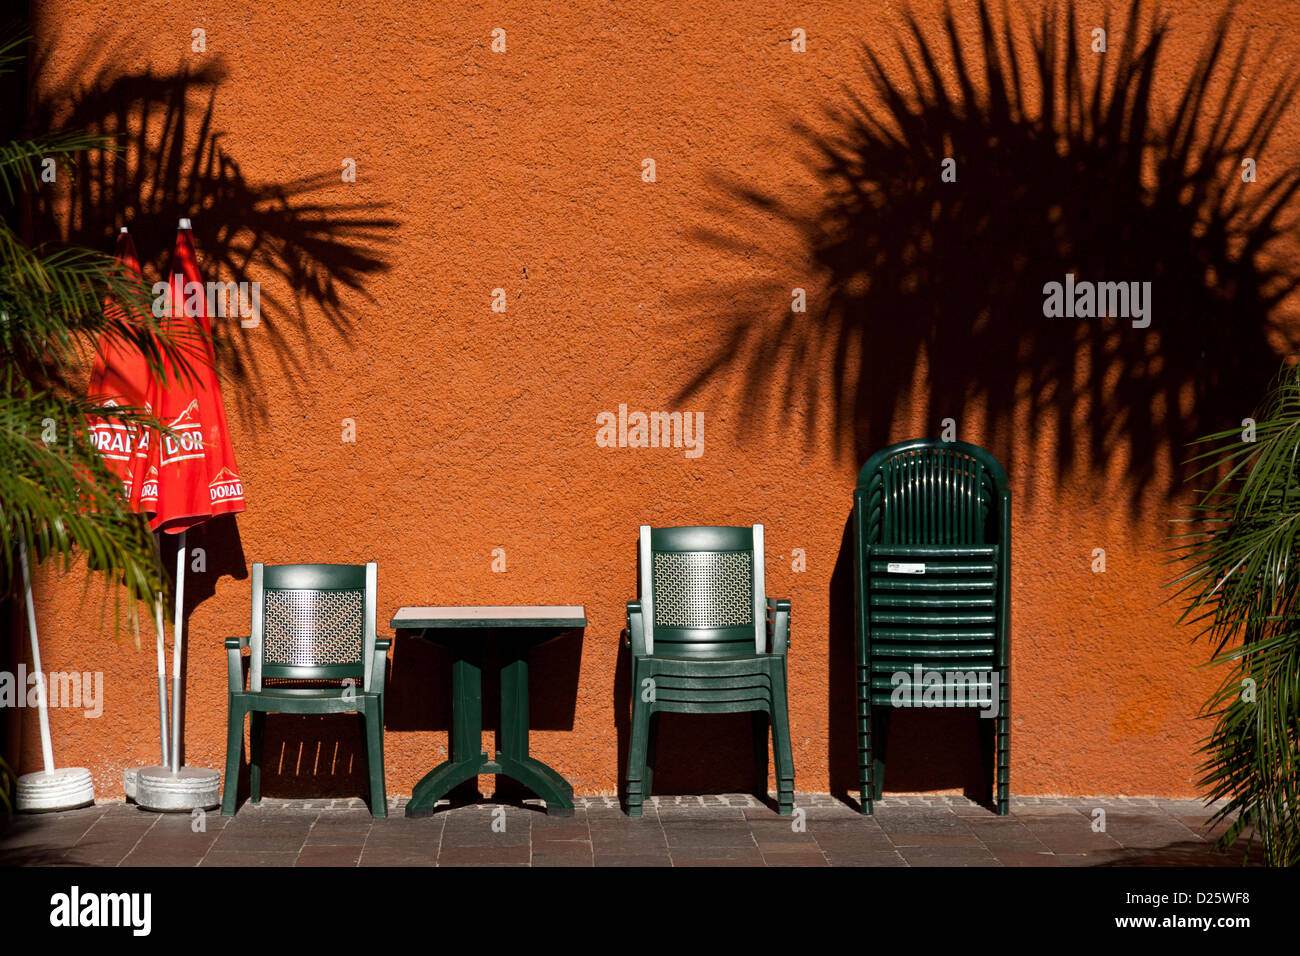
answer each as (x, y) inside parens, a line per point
(529, 771)
(468, 760)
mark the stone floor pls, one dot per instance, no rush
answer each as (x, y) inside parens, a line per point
(720, 830)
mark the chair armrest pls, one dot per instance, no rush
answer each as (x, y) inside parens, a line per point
(379, 664)
(234, 662)
(635, 628)
(778, 625)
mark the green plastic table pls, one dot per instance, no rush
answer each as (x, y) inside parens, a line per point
(516, 630)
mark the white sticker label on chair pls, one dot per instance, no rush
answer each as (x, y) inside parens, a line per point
(899, 568)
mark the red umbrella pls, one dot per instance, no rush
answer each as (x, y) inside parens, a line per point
(121, 377)
(191, 474)
(194, 468)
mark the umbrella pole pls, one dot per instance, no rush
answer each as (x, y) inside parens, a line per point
(162, 680)
(162, 661)
(175, 787)
(178, 642)
(47, 748)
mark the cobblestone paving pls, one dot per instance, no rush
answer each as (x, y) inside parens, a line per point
(716, 830)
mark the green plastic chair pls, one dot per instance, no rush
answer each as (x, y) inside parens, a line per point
(311, 623)
(932, 575)
(705, 639)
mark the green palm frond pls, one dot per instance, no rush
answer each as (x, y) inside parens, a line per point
(11, 51)
(1241, 587)
(58, 498)
(22, 162)
(52, 310)
(6, 788)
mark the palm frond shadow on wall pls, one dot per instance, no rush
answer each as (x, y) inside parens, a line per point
(171, 161)
(1067, 161)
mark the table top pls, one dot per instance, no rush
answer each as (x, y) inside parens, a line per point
(549, 616)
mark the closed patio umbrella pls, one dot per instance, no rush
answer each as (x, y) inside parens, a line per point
(191, 476)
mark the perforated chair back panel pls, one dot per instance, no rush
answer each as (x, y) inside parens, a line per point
(312, 622)
(704, 591)
(313, 628)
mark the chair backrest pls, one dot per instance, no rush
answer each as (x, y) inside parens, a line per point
(313, 622)
(930, 491)
(702, 591)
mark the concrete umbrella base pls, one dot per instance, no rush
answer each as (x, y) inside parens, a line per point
(64, 789)
(190, 788)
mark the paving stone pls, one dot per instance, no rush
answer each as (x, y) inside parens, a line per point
(708, 834)
(1010, 836)
(858, 858)
(720, 855)
(547, 859)
(1149, 836)
(177, 858)
(222, 858)
(779, 833)
(908, 838)
(1066, 835)
(95, 856)
(395, 857)
(329, 856)
(1023, 858)
(793, 854)
(483, 855)
(948, 856)
(337, 836)
(938, 820)
(562, 833)
(635, 860)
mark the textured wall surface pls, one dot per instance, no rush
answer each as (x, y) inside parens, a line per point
(476, 430)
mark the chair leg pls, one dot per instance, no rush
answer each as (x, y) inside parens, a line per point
(234, 758)
(864, 729)
(256, 735)
(1003, 765)
(781, 752)
(864, 752)
(759, 722)
(375, 759)
(988, 739)
(636, 754)
(879, 743)
(651, 751)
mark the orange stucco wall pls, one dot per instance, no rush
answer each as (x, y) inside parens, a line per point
(476, 429)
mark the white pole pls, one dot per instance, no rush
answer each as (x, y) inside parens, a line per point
(47, 748)
(178, 642)
(162, 679)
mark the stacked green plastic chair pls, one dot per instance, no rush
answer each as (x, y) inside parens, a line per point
(311, 623)
(932, 530)
(705, 639)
